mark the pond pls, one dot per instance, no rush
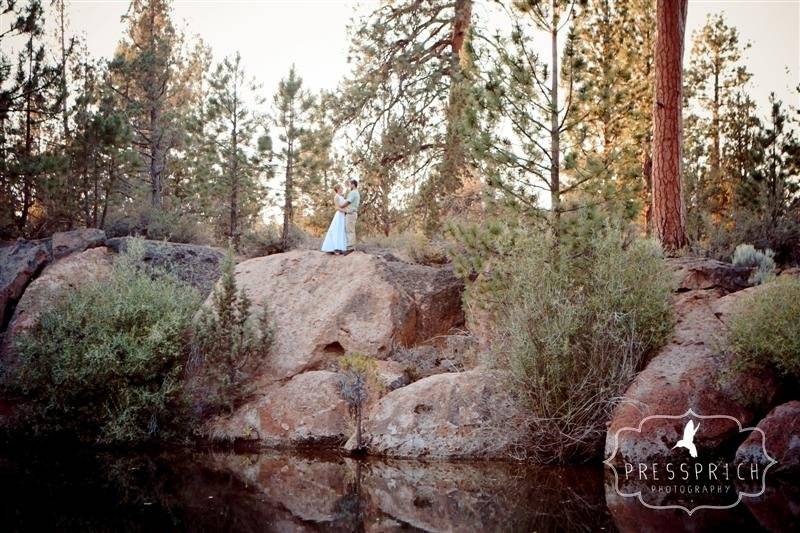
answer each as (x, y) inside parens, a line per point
(71, 490)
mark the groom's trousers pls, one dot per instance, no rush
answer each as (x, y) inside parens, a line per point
(350, 228)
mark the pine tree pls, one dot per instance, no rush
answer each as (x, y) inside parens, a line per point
(292, 109)
(412, 60)
(715, 81)
(241, 145)
(613, 82)
(34, 103)
(99, 148)
(525, 93)
(776, 178)
(154, 81)
(669, 212)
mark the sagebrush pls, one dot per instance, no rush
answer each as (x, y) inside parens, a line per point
(104, 363)
(762, 262)
(765, 329)
(571, 327)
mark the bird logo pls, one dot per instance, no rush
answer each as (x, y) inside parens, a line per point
(688, 438)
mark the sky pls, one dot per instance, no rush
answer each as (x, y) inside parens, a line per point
(273, 34)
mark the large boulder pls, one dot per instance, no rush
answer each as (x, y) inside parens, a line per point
(306, 410)
(20, 262)
(692, 372)
(325, 306)
(64, 243)
(781, 438)
(197, 265)
(458, 414)
(697, 273)
(56, 279)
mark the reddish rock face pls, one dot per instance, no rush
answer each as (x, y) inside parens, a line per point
(55, 280)
(460, 414)
(325, 306)
(695, 273)
(781, 429)
(307, 409)
(692, 372)
(20, 261)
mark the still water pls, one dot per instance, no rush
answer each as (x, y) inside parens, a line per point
(226, 491)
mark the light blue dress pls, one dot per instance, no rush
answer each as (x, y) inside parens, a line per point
(336, 238)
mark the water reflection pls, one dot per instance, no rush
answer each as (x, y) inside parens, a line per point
(74, 491)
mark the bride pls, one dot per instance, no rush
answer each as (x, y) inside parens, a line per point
(336, 238)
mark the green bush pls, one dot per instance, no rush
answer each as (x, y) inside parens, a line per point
(105, 362)
(572, 326)
(228, 343)
(746, 255)
(765, 330)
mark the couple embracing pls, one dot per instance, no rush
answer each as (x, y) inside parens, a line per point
(341, 236)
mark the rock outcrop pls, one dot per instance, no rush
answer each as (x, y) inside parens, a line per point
(325, 306)
(195, 264)
(64, 243)
(781, 429)
(695, 273)
(691, 371)
(306, 410)
(55, 280)
(20, 261)
(458, 414)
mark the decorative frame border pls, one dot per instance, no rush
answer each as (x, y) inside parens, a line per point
(690, 412)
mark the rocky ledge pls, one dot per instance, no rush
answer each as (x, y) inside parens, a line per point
(435, 399)
(693, 371)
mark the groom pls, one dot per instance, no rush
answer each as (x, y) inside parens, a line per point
(351, 214)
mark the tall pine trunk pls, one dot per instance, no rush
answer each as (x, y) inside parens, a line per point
(555, 133)
(669, 213)
(454, 158)
(288, 201)
(155, 121)
(27, 172)
(234, 165)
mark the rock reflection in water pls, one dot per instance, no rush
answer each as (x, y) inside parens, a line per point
(380, 495)
(292, 492)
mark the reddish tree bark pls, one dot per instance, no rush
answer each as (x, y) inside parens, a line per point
(669, 212)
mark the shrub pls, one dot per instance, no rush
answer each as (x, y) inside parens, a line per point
(357, 374)
(105, 362)
(746, 255)
(262, 240)
(160, 225)
(765, 330)
(229, 342)
(572, 326)
(410, 246)
(781, 235)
